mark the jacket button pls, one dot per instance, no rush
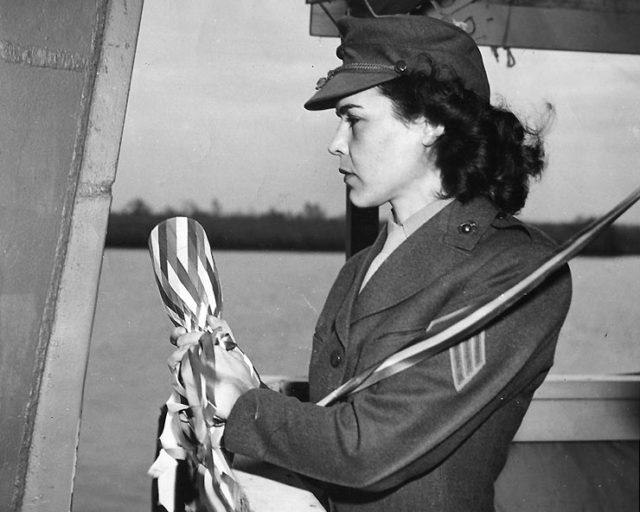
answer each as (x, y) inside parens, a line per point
(335, 358)
(467, 227)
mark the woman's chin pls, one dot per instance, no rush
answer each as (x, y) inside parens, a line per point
(361, 201)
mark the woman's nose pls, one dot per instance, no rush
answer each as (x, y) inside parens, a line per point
(338, 145)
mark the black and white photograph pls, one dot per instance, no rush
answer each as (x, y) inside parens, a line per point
(319, 255)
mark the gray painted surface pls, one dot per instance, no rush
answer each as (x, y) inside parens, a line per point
(51, 238)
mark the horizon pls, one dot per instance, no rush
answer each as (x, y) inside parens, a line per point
(309, 210)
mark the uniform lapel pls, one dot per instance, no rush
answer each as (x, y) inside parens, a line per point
(344, 313)
(423, 256)
(403, 273)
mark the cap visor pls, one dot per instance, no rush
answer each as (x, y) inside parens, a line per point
(344, 84)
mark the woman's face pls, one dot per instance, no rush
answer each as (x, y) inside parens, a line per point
(383, 159)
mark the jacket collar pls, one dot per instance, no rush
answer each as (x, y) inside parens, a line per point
(420, 259)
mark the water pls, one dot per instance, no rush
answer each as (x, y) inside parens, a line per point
(271, 301)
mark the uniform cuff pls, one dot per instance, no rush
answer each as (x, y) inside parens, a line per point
(253, 418)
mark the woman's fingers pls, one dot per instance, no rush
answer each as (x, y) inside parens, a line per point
(175, 334)
(234, 378)
(180, 337)
(214, 322)
(176, 356)
(231, 365)
(218, 324)
(234, 375)
(221, 330)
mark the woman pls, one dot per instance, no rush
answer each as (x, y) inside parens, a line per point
(416, 130)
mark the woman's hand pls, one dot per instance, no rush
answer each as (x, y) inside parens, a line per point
(184, 340)
(234, 378)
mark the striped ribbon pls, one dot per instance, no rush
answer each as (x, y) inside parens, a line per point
(188, 282)
(443, 333)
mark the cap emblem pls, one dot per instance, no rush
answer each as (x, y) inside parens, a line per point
(322, 81)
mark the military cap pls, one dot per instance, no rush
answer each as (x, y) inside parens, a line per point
(376, 50)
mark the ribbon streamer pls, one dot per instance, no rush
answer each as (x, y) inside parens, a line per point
(188, 282)
(462, 323)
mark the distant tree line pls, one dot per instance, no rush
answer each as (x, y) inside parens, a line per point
(614, 240)
(308, 230)
(312, 230)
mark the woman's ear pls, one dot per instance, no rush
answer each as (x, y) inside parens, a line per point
(430, 133)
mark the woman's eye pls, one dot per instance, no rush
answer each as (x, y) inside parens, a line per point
(352, 120)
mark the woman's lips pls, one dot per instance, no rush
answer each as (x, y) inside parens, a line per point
(346, 174)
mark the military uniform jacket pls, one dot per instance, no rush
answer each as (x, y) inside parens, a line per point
(433, 437)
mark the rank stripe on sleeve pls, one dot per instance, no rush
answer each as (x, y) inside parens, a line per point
(467, 359)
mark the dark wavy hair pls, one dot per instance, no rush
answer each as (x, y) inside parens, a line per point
(485, 150)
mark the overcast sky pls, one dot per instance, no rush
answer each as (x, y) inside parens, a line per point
(215, 112)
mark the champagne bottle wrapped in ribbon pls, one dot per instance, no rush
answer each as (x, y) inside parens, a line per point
(188, 282)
